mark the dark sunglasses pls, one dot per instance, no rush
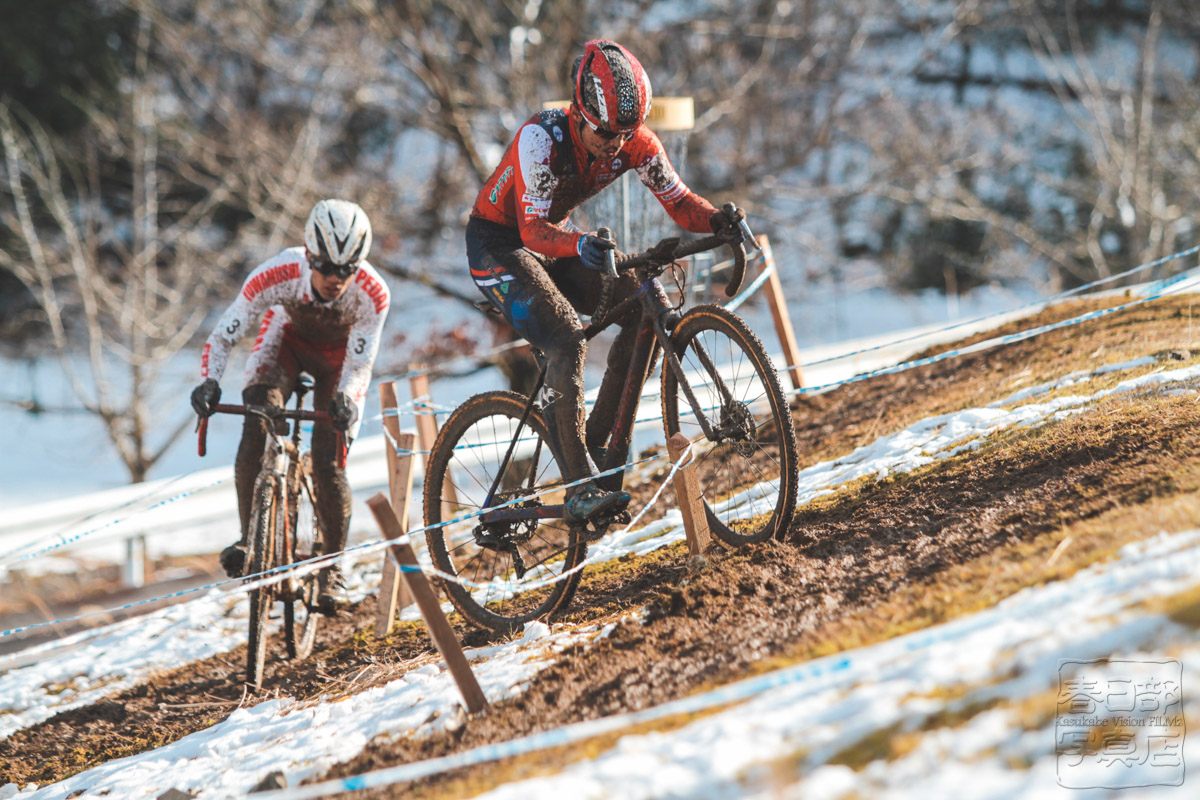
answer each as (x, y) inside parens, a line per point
(609, 135)
(328, 268)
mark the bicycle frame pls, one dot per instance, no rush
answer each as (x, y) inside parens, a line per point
(658, 318)
(280, 458)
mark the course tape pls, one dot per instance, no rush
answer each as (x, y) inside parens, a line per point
(130, 502)
(1161, 287)
(829, 667)
(980, 346)
(1041, 303)
(823, 673)
(7, 559)
(530, 586)
(270, 577)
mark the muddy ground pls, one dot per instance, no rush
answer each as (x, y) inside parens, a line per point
(841, 558)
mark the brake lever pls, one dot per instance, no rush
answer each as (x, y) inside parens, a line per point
(743, 226)
(610, 256)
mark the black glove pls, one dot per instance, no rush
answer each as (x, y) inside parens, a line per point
(206, 396)
(593, 251)
(725, 224)
(343, 412)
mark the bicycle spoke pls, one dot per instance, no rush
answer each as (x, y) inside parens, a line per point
(475, 441)
(746, 469)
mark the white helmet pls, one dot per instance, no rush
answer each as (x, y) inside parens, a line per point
(338, 232)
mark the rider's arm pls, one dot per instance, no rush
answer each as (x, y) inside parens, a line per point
(264, 287)
(369, 310)
(534, 193)
(689, 210)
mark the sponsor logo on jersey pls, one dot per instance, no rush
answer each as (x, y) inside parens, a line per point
(374, 290)
(616, 164)
(504, 176)
(272, 277)
(262, 331)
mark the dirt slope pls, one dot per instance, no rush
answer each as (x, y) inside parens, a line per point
(855, 567)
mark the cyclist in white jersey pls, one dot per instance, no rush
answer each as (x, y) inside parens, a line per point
(320, 309)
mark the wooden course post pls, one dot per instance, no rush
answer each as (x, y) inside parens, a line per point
(427, 433)
(393, 594)
(439, 627)
(779, 312)
(687, 495)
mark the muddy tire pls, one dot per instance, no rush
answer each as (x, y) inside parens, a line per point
(263, 519)
(467, 456)
(748, 468)
(300, 616)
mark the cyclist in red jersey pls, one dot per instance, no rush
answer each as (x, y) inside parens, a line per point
(541, 271)
(318, 309)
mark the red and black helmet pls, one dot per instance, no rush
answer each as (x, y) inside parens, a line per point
(612, 91)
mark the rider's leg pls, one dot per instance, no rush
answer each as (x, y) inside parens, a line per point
(269, 376)
(333, 510)
(330, 486)
(246, 468)
(519, 283)
(581, 286)
(516, 281)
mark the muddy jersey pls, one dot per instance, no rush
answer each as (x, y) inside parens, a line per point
(546, 173)
(278, 298)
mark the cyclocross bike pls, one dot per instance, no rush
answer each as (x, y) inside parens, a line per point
(494, 452)
(284, 530)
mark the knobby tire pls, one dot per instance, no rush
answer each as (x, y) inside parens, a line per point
(300, 617)
(466, 455)
(261, 558)
(737, 476)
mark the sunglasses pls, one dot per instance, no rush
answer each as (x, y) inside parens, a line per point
(328, 268)
(610, 135)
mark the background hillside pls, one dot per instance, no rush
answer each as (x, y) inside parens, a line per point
(153, 152)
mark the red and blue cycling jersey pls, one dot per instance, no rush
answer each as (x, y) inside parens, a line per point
(546, 173)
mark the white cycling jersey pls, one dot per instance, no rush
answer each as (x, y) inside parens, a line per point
(278, 295)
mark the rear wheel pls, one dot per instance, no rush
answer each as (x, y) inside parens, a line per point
(513, 565)
(747, 466)
(300, 617)
(261, 558)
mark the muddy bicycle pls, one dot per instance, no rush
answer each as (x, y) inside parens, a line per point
(284, 530)
(494, 452)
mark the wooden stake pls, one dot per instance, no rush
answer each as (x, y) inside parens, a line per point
(779, 312)
(439, 627)
(427, 433)
(393, 595)
(687, 494)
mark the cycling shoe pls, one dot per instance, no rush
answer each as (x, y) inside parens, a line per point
(592, 503)
(233, 559)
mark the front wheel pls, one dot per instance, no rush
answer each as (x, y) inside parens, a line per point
(300, 617)
(515, 567)
(746, 463)
(263, 519)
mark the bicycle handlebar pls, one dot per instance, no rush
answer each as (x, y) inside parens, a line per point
(671, 249)
(271, 412)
